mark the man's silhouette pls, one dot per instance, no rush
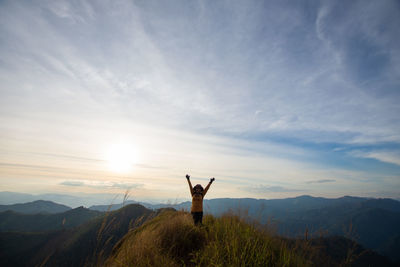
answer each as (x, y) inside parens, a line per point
(198, 194)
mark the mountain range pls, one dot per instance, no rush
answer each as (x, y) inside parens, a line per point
(136, 236)
(90, 240)
(18, 222)
(38, 206)
(373, 223)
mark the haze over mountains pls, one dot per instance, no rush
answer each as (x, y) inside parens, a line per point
(371, 222)
(11, 221)
(38, 206)
(71, 200)
(81, 236)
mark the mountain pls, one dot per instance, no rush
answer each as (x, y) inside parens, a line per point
(17, 222)
(137, 236)
(76, 200)
(371, 222)
(90, 242)
(38, 206)
(113, 207)
(337, 251)
(7, 198)
(19, 249)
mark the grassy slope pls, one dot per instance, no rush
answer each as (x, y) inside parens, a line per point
(171, 239)
(91, 243)
(136, 236)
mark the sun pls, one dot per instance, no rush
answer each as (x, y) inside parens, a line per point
(121, 158)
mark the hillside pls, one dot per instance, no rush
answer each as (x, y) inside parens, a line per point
(86, 244)
(371, 222)
(38, 206)
(117, 206)
(137, 236)
(92, 243)
(171, 239)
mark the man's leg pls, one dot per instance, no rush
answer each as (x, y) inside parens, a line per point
(194, 217)
(197, 217)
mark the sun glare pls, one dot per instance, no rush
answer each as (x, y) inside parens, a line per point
(121, 158)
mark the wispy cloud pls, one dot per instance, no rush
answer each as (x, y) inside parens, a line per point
(269, 189)
(234, 81)
(101, 184)
(73, 183)
(392, 157)
(268, 87)
(321, 181)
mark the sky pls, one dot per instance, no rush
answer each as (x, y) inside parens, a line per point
(272, 98)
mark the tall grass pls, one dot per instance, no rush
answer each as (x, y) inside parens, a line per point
(235, 242)
(171, 239)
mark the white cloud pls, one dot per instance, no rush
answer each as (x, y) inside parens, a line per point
(140, 66)
(188, 76)
(384, 156)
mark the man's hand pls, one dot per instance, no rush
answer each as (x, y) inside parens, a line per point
(187, 176)
(212, 180)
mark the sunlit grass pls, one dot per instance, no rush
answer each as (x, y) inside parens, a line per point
(171, 239)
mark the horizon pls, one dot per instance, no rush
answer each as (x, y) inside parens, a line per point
(88, 200)
(274, 99)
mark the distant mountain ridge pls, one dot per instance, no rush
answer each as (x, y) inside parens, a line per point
(38, 206)
(42, 222)
(117, 206)
(137, 236)
(371, 222)
(74, 201)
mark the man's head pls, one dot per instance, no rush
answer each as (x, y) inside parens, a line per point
(198, 188)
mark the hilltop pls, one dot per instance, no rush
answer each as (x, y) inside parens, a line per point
(371, 222)
(171, 239)
(84, 237)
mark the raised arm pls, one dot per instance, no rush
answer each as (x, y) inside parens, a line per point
(208, 186)
(190, 184)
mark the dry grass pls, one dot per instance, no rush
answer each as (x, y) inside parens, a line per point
(167, 240)
(171, 239)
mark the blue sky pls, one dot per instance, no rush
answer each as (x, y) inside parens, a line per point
(273, 98)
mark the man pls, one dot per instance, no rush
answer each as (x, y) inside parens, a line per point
(198, 194)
